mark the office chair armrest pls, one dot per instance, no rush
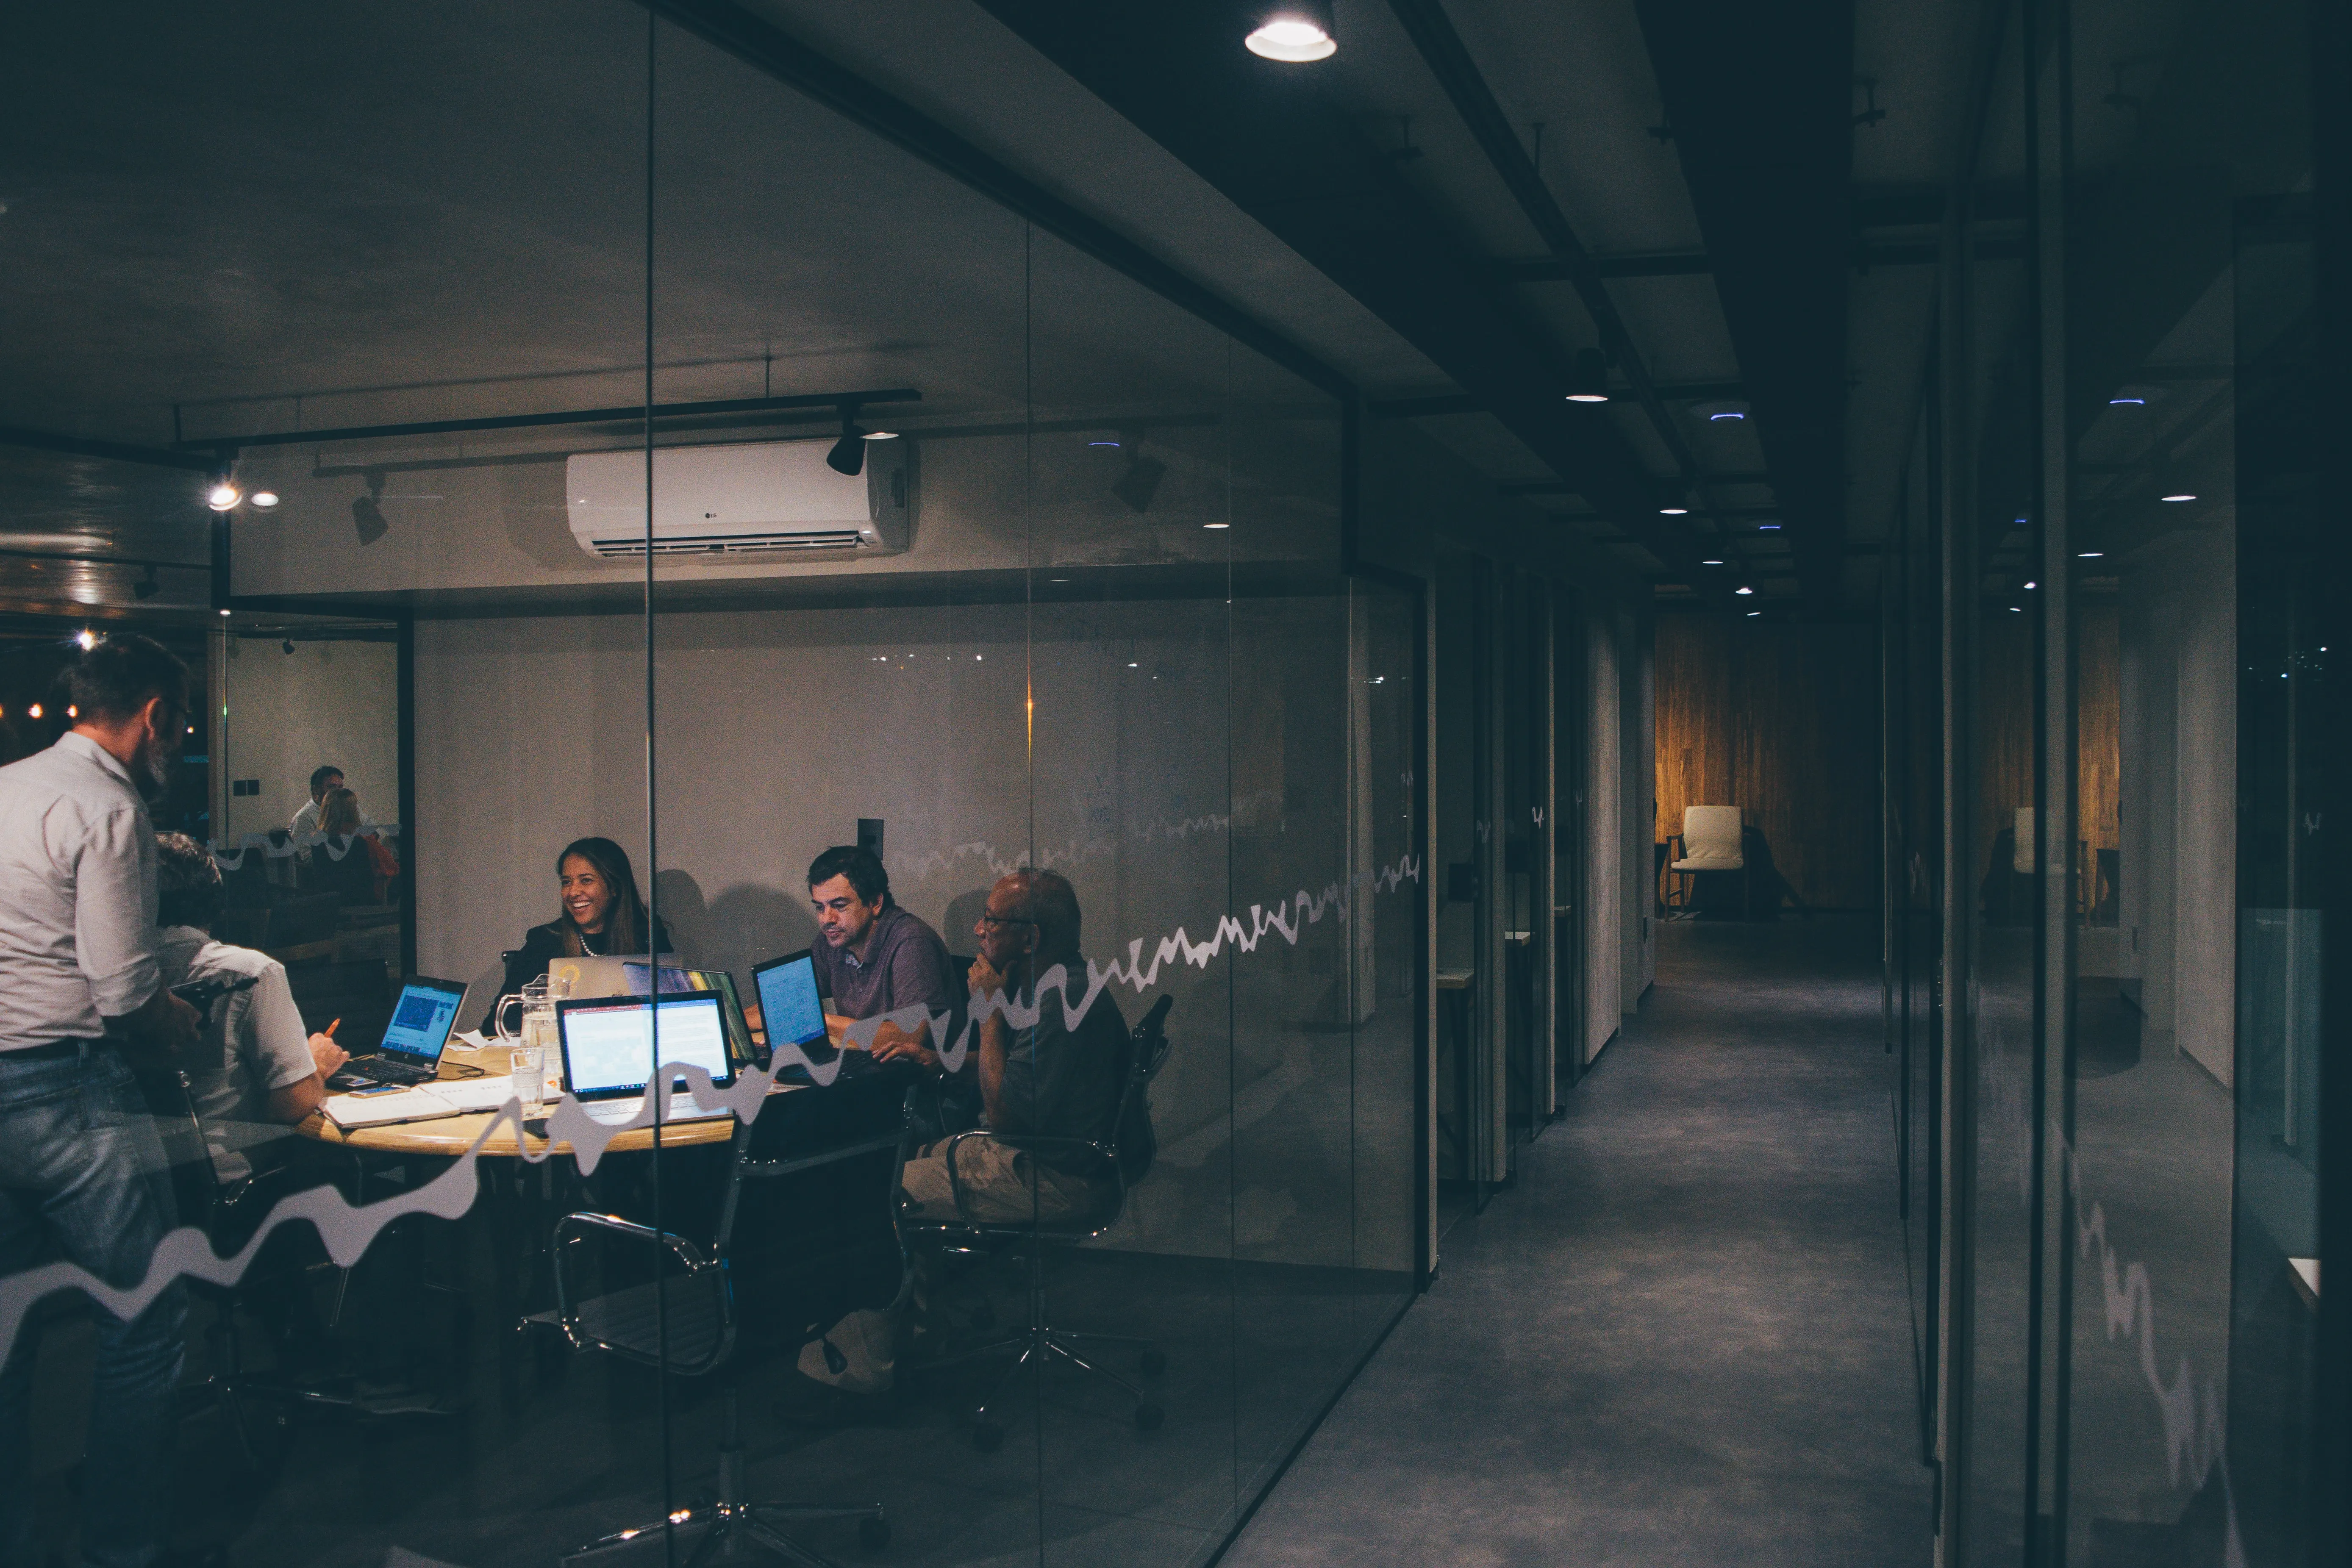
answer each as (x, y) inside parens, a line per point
(576, 1227)
(1024, 1143)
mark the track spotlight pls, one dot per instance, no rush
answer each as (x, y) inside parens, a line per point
(146, 587)
(848, 454)
(264, 499)
(1590, 381)
(1295, 32)
(368, 521)
(287, 648)
(1141, 482)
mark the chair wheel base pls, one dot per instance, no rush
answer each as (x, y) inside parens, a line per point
(987, 1437)
(873, 1533)
(1148, 1417)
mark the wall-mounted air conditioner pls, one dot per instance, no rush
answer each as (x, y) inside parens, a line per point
(751, 498)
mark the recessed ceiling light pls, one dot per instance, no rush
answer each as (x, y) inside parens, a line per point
(224, 612)
(1216, 525)
(2090, 555)
(1588, 397)
(1297, 32)
(1768, 527)
(2181, 498)
(1710, 562)
(222, 497)
(1674, 512)
(88, 638)
(1725, 414)
(2120, 402)
(870, 435)
(1753, 614)
(1743, 588)
(265, 500)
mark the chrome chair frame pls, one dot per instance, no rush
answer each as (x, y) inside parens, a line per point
(617, 1322)
(1039, 1341)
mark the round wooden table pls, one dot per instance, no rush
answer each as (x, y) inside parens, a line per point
(450, 1136)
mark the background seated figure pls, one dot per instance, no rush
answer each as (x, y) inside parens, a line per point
(601, 915)
(1061, 1077)
(344, 864)
(323, 778)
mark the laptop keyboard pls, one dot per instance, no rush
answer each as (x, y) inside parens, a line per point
(682, 1108)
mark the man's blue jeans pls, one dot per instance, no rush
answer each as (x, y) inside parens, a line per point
(82, 1177)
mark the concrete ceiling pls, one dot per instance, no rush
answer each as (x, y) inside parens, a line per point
(437, 211)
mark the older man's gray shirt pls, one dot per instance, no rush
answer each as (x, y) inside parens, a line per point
(78, 938)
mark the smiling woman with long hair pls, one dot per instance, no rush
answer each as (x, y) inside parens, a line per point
(600, 914)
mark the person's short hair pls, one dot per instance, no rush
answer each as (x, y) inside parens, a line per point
(188, 883)
(860, 865)
(1048, 903)
(318, 777)
(119, 676)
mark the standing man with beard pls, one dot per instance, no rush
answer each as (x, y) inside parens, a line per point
(82, 1173)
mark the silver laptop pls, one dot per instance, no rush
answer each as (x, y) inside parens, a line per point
(609, 1045)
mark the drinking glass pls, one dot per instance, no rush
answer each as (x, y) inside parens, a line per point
(528, 1069)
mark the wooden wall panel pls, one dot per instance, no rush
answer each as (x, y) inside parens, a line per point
(1781, 719)
(2098, 724)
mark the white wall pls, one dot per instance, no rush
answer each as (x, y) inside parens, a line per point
(326, 702)
(2178, 790)
(1605, 903)
(777, 731)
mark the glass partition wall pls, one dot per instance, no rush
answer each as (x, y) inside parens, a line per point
(955, 546)
(2113, 1083)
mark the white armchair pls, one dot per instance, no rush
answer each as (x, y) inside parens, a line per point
(1710, 841)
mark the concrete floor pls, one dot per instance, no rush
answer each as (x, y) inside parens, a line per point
(1684, 1336)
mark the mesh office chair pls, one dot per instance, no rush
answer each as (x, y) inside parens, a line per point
(227, 1212)
(695, 1300)
(1040, 1342)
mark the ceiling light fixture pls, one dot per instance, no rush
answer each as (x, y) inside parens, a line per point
(1674, 512)
(2031, 586)
(1725, 414)
(2090, 555)
(87, 639)
(265, 500)
(2120, 402)
(1768, 527)
(1753, 614)
(847, 457)
(35, 711)
(2181, 498)
(1294, 32)
(223, 497)
(1743, 588)
(1589, 384)
(224, 612)
(1710, 562)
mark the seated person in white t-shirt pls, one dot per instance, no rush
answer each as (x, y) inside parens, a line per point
(306, 819)
(254, 1072)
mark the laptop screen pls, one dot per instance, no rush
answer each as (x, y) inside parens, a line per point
(788, 1000)
(608, 1045)
(421, 1020)
(674, 982)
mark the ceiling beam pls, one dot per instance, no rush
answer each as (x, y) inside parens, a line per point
(113, 451)
(1760, 100)
(1686, 263)
(1449, 61)
(1275, 142)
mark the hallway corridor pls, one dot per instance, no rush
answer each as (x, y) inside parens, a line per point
(1683, 1337)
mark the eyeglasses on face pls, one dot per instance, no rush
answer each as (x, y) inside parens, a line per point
(994, 920)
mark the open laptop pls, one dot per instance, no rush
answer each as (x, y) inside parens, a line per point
(608, 1052)
(413, 1042)
(793, 1014)
(676, 982)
